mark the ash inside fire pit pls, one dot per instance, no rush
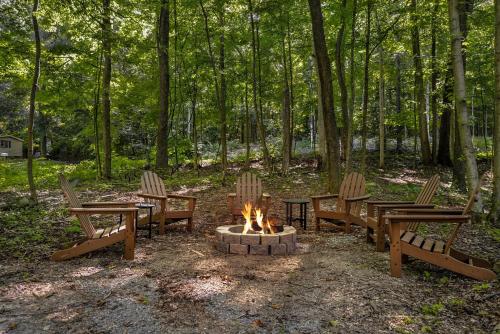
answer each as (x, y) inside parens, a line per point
(232, 239)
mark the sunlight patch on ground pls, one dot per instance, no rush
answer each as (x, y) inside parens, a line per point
(64, 315)
(85, 271)
(38, 290)
(200, 288)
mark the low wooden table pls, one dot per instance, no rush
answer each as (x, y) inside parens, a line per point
(302, 202)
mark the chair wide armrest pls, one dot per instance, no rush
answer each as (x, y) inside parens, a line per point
(266, 195)
(435, 211)
(426, 218)
(231, 195)
(375, 202)
(357, 199)
(114, 211)
(404, 206)
(107, 204)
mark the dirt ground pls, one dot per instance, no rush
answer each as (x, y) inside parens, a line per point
(179, 283)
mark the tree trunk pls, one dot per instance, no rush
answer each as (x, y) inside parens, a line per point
(443, 154)
(194, 100)
(381, 104)
(258, 111)
(460, 99)
(97, 94)
(163, 116)
(365, 88)
(286, 115)
(247, 121)
(352, 85)
(434, 77)
(339, 64)
(290, 70)
(222, 109)
(34, 88)
(495, 210)
(399, 129)
(106, 83)
(325, 81)
(419, 88)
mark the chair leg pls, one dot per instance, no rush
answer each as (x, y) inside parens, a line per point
(380, 240)
(369, 233)
(317, 224)
(347, 226)
(189, 226)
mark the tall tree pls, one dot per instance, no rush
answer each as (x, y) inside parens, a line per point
(399, 135)
(326, 87)
(34, 88)
(460, 98)
(434, 77)
(339, 64)
(106, 84)
(381, 100)
(352, 86)
(366, 79)
(286, 133)
(222, 107)
(419, 87)
(258, 87)
(495, 210)
(163, 116)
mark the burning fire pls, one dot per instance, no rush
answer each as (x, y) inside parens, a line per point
(261, 226)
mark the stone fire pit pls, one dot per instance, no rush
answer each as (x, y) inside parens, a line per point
(230, 239)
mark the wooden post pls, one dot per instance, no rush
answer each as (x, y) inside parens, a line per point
(163, 209)
(380, 242)
(395, 249)
(130, 236)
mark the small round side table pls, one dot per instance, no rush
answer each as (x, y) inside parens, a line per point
(302, 202)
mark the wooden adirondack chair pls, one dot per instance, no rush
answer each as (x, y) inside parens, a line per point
(153, 191)
(349, 201)
(376, 228)
(248, 189)
(406, 242)
(99, 238)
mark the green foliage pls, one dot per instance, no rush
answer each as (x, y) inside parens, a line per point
(432, 309)
(481, 288)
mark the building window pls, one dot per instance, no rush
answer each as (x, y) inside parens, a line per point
(5, 143)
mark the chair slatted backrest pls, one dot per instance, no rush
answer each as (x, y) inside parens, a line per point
(248, 189)
(353, 185)
(467, 209)
(152, 184)
(425, 197)
(74, 202)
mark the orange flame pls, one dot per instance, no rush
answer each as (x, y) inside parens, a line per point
(247, 214)
(259, 216)
(268, 226)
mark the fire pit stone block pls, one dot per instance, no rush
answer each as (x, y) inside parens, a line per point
(250, 239)
(286, 238)
(232, 238)
(269, 239)
(259, 250)
(238, 249)
(279, 249)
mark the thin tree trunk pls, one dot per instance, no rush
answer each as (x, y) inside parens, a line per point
(293, 142)
(222, 109)
(365, 88)
(419, 88)
(495, 209)
(443, 154)
(381, 103)
(399, 129)
(434, 77)
(194, 100)
(352, 85)
(163, 116)
(97, 93)
(325, 81)
(460, 99)
(34, 88)
(106, 83)
(247, 121)
(339, 64)
(285, 114)
(258, 103)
